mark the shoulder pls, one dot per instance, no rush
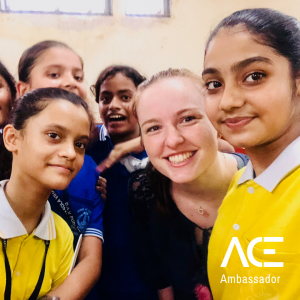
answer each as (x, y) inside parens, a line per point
(61, 227)
(242, 159)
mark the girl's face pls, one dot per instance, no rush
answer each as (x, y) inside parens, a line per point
(5, 98)
(115, 106)
(51, 148)
(60, 68)
(179, 139)
(250, 95)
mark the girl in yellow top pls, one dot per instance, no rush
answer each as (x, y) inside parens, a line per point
(48, 149)
(252, 78)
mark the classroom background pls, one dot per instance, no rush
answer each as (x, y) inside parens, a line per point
(149, 44)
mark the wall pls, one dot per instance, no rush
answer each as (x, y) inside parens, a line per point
(148, 44)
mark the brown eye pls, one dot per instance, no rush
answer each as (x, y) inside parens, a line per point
(213, 85)
(254, 77)
(53, 135)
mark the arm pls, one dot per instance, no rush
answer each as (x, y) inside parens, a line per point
(166, 294)
(121, 150)
(86, 273)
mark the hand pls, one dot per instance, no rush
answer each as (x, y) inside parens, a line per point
(101, 187)
(120, 150)
(224, 146)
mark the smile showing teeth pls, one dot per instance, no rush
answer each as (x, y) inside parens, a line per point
(179, 158)
(116, 116)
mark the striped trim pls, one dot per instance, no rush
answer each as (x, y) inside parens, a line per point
(94, 232)
(103, 133)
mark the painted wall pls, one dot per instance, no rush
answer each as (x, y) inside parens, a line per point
(148, 44)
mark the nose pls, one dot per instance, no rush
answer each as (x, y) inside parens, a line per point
(173, 137)
(231, 99)
(69, 83)
(114, 103)
(68, 151)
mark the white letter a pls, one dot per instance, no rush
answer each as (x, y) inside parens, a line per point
(235, 241)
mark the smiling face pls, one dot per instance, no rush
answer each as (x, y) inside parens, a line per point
(5, 98)
(60, 68)
(179, 139)
(250, 95)
(50, 149)
(115, 107)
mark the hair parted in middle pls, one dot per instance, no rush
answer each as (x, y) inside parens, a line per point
(33, 102)
(169, 73)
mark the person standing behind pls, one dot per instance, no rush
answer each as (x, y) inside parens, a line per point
(55, 64)
(7, 98)
(114, 90)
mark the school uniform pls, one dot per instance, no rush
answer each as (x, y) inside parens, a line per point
(265, 206)
(25, 252)
(81, 205)
(120, 278)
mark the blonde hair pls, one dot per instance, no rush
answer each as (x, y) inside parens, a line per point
(170, 73)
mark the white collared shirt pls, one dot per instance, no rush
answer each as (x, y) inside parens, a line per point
(11, 226)
(288, 160)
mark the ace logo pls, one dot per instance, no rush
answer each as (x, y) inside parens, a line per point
(235, 242)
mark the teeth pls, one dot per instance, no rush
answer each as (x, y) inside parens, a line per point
(177, 159)
(115, 116)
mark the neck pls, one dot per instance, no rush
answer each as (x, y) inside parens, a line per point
(262, 156)
(117, 139)
(27, 198)
(212, 185)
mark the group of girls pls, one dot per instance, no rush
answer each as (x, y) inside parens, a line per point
(172, 234)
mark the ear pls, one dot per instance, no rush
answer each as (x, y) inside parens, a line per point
(22, 88)
(10, 136)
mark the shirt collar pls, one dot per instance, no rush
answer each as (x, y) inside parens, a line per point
(288, 160)
(103, 134)
(11, 226)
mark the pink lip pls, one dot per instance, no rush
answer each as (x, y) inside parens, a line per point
(63, 168)
(237, 122)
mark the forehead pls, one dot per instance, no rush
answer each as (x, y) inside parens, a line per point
(231, 45)
(3, 81)
(64, 113)
(171, 95)
(117, 82)
(59, 56)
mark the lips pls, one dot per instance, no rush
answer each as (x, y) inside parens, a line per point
(238, 122)
(63, 168)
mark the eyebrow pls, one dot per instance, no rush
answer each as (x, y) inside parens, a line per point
(61, 67)
(149, 121)
(62, 128)
(240, 65)
(180, 112)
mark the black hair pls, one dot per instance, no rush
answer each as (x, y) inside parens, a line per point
(32, 54)
(32, 103)
(5, 155)
(111, 71)
(11, 84)
(271, 28)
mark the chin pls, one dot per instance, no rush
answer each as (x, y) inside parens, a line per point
(61, 184)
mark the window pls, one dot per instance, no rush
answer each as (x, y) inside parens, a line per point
(78, 7)
(151, 8)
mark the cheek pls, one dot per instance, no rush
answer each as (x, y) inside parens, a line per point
(152, 146)
(83, 91)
